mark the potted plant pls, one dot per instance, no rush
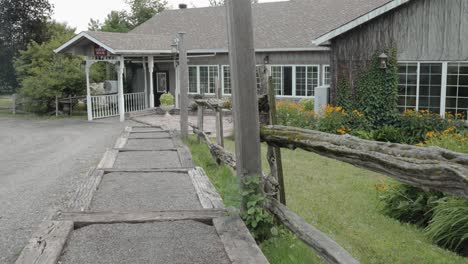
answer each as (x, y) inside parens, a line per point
(167, 102)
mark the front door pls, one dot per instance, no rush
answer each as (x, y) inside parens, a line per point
(161, 86)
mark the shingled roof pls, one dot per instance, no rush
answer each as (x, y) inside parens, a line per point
(287, 25)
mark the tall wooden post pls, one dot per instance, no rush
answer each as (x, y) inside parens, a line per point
(183, 87)
(245, 106)
(121, 69)
(88, 92)
(219, 116)
(56, 105)
(274, 153)
(151, 86)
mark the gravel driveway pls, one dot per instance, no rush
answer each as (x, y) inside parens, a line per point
(42, 162)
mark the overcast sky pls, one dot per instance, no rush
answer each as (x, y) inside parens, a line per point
(78, 13)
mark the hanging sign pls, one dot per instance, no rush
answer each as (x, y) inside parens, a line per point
(99, 51)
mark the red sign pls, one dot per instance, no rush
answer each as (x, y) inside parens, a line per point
(99, 51)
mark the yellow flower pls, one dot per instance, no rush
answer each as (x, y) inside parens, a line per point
(341, 131)
(430, 134)
(420, 144)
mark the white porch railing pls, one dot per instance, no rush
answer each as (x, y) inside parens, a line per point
(134, 102)
(105, 106)
(108, 105)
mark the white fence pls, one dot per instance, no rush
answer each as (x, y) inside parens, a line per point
(134, 102)
(108, 105)
(105, 106)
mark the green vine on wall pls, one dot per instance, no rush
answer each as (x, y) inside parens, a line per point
(344, 94)
(376, 90)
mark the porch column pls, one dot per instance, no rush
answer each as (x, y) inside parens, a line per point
(145, 73)
(121, 92)
(151, 69)
(88, 92)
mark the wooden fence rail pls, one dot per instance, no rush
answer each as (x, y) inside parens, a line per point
(422, 167)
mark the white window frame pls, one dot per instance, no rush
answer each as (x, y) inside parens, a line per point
(294, 78)
(323, 74)
(443, 85)
(198, 78)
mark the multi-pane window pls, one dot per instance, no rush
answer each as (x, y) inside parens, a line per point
(326, 75)
(277, 77)
(407, 85)
(227, 87)
(193, 79)
(287, 80)
(430, 85)
(312, 79)
(457, 88)
(202, 79)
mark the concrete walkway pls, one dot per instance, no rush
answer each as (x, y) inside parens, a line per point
(145, 202)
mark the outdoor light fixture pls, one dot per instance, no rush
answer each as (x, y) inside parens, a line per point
(266, 60)
(383, 61)
(175, 45)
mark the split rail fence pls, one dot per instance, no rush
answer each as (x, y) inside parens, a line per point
(428, 168)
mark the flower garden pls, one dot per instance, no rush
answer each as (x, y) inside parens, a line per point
(444, 219)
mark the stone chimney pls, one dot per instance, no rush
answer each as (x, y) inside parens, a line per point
(182, 6)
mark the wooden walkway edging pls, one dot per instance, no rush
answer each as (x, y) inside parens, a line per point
(48, 243)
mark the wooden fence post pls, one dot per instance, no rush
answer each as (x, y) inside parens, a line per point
(13, 102)
(219, 116)
(184, 83)
(243, 76)
(200, 121)
(274, 153)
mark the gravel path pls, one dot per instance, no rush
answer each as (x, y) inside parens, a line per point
(41, 164)
(159, 243)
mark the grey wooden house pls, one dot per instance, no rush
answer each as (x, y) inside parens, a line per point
(283, 43)
(431, 37)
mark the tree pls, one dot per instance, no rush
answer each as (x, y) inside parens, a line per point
(21, 21)
(221, 2)
(122, 21)
(43, 74)
(143, 10)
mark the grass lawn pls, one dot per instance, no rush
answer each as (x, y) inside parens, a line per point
(340, 200)
(5, 101)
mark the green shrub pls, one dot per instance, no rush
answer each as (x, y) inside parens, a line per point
(344, 94)
(336, 120)
(167, 99)
(408, 204)
(449, 225)
(307, 104)
(451, 141)
(417, 125)
(389, 134)
(290, 114)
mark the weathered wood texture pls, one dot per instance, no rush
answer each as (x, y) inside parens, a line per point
(214, 104)
(81, 219)
(274, 153)
(46, 245)
(84, 195)
(218, 152)
(207, 194)
(325, 247)
(184, 86)
(244, 92)
(108, 159)
(200, 120)
(423, 30)
(219, 115)
(240, 247)
(185, 157)
(427, 168)
(145, 170)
